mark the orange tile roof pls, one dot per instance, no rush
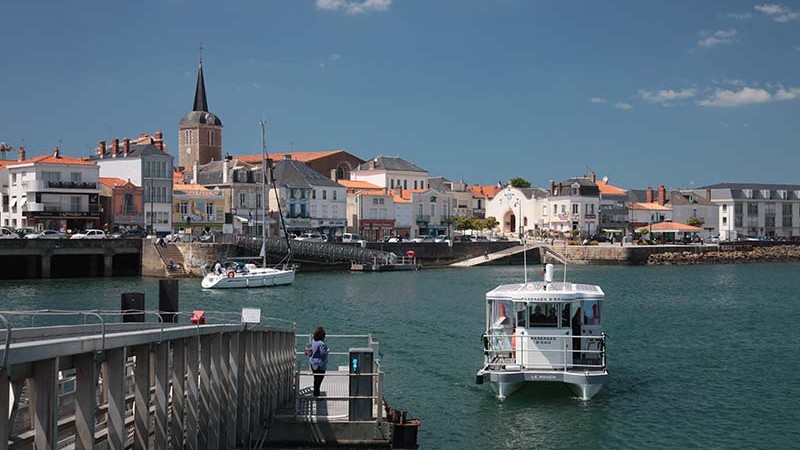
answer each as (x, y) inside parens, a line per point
(406, 193)
(606, 188)
(299, 156)
(50, 159)
(358, 184)
(398, 199)
(650, 206)
(193, 189)
(667, 227)
(112, 182)
(485, 191)
(374, 192)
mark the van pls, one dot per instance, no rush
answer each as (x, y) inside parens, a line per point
(351, 238)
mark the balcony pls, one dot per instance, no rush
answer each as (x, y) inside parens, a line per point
(58, 210)
(43, 185)
(422, 218)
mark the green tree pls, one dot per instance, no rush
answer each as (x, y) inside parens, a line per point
(519, 182)
(695, 222)
(465, 223)
(489, 223)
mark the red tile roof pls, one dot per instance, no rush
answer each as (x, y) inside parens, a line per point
(51, 159)
(650, 206)
(112, 182)
(299, 156)
(672, 227)
(606, 188)
(485, 191)
(358, 184)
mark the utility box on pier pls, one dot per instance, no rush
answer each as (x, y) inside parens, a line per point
(361, 384)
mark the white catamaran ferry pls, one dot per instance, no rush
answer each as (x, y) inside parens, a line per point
(544, 332)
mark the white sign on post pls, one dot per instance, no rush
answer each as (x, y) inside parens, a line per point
(251, 315)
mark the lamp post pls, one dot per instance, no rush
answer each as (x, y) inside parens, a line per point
(152, 229)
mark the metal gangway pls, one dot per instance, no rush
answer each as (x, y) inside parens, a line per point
(100, 382)
(322, 252)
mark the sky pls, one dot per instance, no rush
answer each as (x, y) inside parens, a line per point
(682, 93)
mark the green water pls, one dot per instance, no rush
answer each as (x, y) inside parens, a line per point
(699, 357)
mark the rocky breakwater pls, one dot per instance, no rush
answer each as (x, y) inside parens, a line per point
(784, 253)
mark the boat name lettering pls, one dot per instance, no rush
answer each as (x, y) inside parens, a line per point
(545, 377)
(544, 340)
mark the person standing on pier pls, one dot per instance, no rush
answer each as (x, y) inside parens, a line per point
(318, 358)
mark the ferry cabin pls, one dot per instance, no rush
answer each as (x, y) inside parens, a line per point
(544, 331)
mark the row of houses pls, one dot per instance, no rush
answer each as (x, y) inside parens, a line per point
(135, 183)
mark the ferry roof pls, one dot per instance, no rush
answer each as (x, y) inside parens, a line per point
(536, 292)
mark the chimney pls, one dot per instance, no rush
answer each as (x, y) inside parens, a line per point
(102, 151)
(560, 188)
(126, 147)
(333, 175)
(594, 177)
(225, 169)
(159, 141)
(287, 157)
(552, 187)
(372, 164)
(708, 194)
(114, 148)
(195, 169)
(662, 195)
(649, 197)
(21, 154)
(55, 152)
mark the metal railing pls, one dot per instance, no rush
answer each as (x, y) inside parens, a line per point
(215, 385)
(512, 349)
(338, 368)
(319, 251)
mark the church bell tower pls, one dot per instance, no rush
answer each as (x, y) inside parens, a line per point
(200, 131)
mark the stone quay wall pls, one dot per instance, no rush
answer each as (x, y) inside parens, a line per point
(743, 255)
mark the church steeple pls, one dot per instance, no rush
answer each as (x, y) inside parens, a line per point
(200, 102)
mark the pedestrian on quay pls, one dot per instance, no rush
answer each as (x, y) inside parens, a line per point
(318, 358)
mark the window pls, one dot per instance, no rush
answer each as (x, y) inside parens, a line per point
(188, 137)
(563, 209)
(75, 203)
(405, 184)
(787, 210)
(752, 208)
(391, 183)
(258, 200)
(415, 184)
(313, 194)
(381, 201)
(210, 137)
(575, 209)
(555, 209)
(544, 210)
(724, 208)
(769, 209)
(324, 194)
(420, 209)
(724, 220)
(433, 209)
(242, 199)
(334, 195)
(184, 209)
(75, 177)
(210, 209)
(49, 176)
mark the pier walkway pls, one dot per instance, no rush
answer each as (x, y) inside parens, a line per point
(494, 257)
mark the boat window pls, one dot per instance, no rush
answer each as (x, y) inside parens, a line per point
(502, 314)
(542, 314)
(591, 312)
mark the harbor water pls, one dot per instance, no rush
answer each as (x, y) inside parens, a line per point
(699, 356)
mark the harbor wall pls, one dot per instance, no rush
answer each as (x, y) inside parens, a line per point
(622, 256)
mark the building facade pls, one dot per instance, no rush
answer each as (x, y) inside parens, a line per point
(517, 210)
(334, 164)
(756, 209)
(197, 209)
(573, 207)
(392, 173)
(199, 131)
(122, 204)
(241, 188)
(51, 192)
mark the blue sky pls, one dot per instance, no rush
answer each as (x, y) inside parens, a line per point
(682, 93)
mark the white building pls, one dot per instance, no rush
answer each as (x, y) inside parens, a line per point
(145, 163)
(391, 172)
(573, 204)
(370, 210)
(754, 209)
(516, 209)
(52, 192)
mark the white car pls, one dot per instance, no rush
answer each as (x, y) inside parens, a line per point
(90, 234)
(350, 238)
(46, 234)
(7, 233)
(310, 237)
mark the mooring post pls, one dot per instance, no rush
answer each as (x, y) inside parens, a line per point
(141, 400)
(132, 306)
(168, 301)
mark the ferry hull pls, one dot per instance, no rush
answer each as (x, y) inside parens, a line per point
(584, 385)
(239, 281)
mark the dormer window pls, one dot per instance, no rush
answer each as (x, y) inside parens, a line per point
(765, 193)
(748, 193)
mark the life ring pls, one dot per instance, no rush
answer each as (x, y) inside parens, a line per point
(231, 274)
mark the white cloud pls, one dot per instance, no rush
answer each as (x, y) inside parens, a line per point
(667, 96)
(726, 98)
(778, 13)
(598, 100)
(354, 7)
(712, 38)
(334, 56)
(623, 106)
(740, 16)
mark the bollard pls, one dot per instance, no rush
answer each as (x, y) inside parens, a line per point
(132, 301)
(168, 300)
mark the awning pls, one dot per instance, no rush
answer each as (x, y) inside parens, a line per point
(670, 227)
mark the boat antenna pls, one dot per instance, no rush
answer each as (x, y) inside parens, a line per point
(525, 257)
(264, 201)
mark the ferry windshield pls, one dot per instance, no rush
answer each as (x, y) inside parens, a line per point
(542, 314)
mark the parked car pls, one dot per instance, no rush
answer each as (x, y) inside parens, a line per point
(714, 239)
(599, 238)
(393, 239)
(441, 238)
(46, 234)
(129, 234)
(499, 238)
(8, 233)
(465, 238)
(419, 239)
(180, 237)
(22, 232)
(211, 236)
(310, 237)
(481, 239)
(351, 238)
(89, 234)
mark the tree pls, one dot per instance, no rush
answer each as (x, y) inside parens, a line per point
(465, 223)
(489, 223)
(695, 222)
(519, 182)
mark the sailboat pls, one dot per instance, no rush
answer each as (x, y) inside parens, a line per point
(250, 275)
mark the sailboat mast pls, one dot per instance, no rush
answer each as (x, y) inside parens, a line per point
(264, 200)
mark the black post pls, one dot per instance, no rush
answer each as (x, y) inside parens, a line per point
(361, 382)
(132, 301)
(168, 300)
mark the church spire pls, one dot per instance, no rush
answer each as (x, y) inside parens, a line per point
(200, 103)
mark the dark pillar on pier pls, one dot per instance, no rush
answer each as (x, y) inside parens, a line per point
(46, 263)
(168, 300)
(108, 264)
(132, 301)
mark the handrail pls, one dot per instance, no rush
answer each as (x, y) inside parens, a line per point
(7, 344)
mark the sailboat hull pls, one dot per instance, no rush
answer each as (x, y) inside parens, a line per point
(254, 279)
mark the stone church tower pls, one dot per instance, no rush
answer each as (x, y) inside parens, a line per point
(199, 132)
